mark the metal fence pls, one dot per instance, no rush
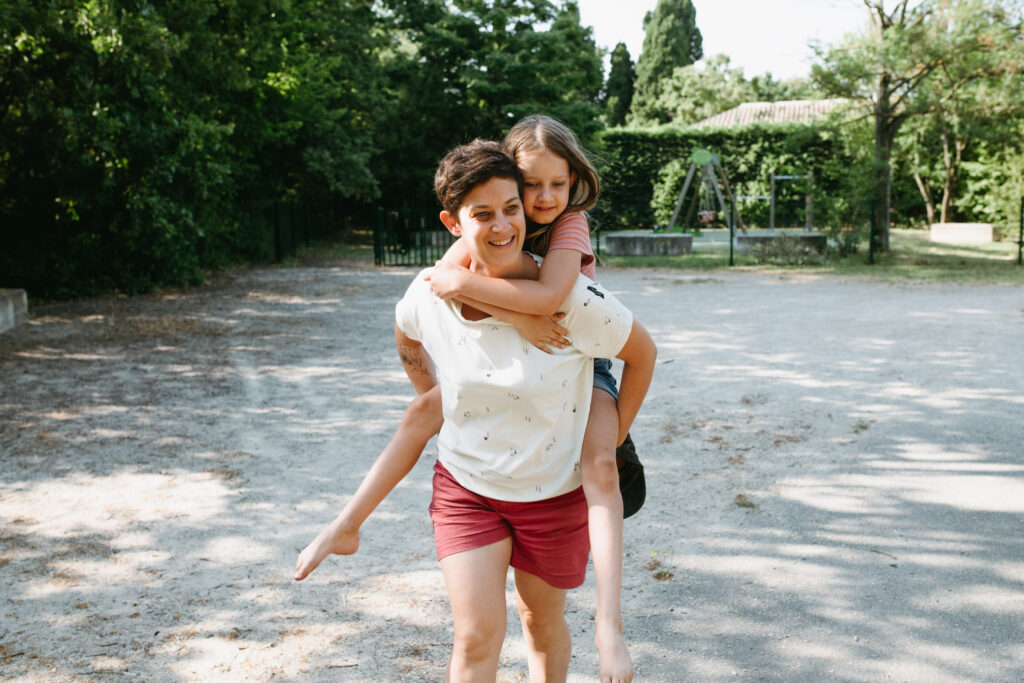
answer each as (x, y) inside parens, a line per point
(302, 222)
(409, 237)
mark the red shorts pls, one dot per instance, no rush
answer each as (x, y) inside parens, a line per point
(550, 538)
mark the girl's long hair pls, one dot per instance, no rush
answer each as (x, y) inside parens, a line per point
(539, 132)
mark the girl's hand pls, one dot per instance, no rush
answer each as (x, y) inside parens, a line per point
(542, 331)
(447, 279)
(336, 539)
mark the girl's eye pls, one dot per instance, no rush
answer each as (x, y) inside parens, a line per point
(482, 215)
(530, 185)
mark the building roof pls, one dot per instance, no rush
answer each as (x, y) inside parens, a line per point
(786, 111)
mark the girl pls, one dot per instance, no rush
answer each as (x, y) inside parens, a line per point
(560, 184)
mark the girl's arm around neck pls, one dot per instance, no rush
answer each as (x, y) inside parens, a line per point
(543, 296)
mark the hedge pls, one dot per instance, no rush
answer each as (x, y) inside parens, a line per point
(642, 171)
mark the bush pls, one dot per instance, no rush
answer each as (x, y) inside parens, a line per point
(642, 171)
(784, 250)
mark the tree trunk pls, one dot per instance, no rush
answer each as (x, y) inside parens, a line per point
(926, 194)
(885, 131)
(952, 155)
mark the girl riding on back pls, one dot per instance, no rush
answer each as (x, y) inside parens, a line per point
(560, 184)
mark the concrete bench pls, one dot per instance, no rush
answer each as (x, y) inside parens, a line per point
(647, 243)
(13, 308)
(961, 233)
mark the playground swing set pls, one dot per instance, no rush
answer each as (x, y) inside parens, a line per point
(713, 190)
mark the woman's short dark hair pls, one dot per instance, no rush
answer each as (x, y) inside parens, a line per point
(467, 166)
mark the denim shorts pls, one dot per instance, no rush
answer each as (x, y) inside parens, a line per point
(603, 377)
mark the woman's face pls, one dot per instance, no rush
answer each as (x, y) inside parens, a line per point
(491, 222)
(547, 181)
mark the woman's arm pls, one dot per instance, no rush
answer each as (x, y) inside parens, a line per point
(416, 362)
(543, 296)
(638, 355)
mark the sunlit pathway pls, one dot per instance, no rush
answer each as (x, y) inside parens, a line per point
(835, 486)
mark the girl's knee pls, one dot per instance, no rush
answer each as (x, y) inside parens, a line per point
(600, 470)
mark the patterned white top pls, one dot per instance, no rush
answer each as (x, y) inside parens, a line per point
(514, 416)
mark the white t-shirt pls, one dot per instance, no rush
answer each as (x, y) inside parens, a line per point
(514, 416)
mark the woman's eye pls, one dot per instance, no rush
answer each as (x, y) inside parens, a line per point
(483, 215)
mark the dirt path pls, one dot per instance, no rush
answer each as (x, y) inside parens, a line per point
(835, 471)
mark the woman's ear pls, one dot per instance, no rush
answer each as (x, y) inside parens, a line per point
(451, 223)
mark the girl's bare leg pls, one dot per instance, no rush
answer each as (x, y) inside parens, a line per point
(421, 421)
(475, 580)
(542, 611)
(604, 505)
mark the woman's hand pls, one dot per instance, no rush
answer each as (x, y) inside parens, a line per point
(543, 331)
(447, 280)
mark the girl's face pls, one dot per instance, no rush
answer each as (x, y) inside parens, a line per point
(547, 182)
(491, 221)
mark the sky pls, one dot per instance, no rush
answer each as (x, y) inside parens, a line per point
(760, 36)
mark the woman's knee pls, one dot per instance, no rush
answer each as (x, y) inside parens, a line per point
(479, 641)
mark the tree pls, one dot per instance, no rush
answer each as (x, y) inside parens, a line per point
(671, 40)
(618, 90)
(767, 89)
(472, 69)
(887, 65)
(140, 140)
(696, 92)
(972, 102)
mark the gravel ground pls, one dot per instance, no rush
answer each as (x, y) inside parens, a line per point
(835, 485)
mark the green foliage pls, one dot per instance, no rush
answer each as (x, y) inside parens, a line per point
(973, 104)
(618, 90)
(143, 142)
(473, 70)
(671, 40)
(693, 92)
(644, 169)
(139, 141)
(992, 190)
(918, 59)
(784, 250)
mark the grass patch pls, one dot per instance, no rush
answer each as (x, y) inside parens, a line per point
(911, 258)
(354, 248)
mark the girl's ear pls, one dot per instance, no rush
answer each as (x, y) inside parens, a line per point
(451, 223)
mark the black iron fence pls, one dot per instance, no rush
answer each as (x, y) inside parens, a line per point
(299, 223)
(409, 237)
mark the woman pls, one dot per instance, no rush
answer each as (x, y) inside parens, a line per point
(507, 484)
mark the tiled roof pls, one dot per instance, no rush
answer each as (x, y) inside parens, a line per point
(786, 111)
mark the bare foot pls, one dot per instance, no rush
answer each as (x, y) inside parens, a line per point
(613, 658)
(334, 540)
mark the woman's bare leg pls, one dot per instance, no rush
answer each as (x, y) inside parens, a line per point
(542, 611)
(475, 580)
(604, 515)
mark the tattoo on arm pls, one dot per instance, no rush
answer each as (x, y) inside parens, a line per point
(413, 360)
